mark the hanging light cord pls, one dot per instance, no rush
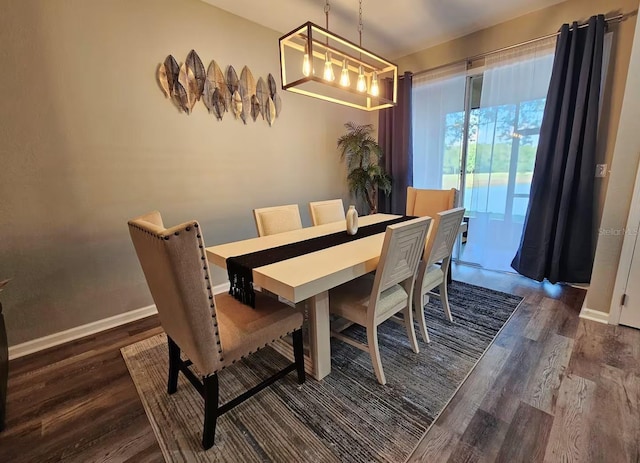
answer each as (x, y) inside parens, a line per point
(327, 8)
(360, 26)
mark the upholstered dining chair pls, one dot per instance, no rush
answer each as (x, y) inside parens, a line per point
(371, 300)
(213, 332)
(422, 202)
(444, 231)
(277, 219)
(326, 211)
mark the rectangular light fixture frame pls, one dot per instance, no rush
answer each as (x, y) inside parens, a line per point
(314, 40)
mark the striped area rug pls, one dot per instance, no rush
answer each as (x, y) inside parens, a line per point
(346, 417)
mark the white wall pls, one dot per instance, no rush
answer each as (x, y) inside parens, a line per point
(88, 141)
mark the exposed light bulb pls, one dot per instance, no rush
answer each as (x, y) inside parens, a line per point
(345, 81)
(306, 65)
(361, 86)
(328, 68)
(375, 91)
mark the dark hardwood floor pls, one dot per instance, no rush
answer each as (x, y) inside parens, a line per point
(552, 387)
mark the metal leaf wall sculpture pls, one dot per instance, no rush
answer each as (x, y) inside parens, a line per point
(163, 80)
(216, 78)
(262, 92)
(194, 63)
(207, 94)
(219, 91)
(272, 86)
(236, 104)
(172, 69)
(232, 80)
(187, 79)
(218, 104)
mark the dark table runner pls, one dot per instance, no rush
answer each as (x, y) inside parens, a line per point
(240, 268)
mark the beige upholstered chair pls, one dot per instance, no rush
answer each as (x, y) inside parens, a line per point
(444, 231)
(370, 300)
(212, 331)
(277, 219)
(326, 211)
(422, 203)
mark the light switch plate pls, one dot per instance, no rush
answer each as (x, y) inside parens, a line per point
(601, 170)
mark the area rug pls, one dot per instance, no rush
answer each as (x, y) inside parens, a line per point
(347, 416)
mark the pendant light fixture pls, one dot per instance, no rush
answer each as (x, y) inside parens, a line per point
(310, 46)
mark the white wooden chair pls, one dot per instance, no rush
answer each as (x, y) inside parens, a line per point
(443, 232)
(212, 331)
(370, 300)
(326, 211)
(277, 219)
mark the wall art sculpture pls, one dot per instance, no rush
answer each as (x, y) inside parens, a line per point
(221, 92)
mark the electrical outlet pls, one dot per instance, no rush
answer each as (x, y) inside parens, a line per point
(601, 170)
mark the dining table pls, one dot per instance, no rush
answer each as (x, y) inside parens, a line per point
(305, 280)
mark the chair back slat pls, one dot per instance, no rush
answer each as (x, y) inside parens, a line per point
(445, 229)
(401, 252)
(277, 219)
(330, 211)
(174, 264)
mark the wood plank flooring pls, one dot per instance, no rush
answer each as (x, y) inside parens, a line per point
(551, 388)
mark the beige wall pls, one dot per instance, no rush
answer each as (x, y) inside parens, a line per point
(548, 21)
(619, 192)
(88, 141)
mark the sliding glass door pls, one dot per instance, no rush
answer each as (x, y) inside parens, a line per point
(483, 141)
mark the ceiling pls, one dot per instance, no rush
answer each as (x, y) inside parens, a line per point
(391, 28)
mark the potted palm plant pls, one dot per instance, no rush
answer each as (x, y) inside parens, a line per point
(365, 175)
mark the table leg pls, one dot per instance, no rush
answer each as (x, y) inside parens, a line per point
(319, 335)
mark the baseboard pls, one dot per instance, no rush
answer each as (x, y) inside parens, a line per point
(594, 315)
(55, 339)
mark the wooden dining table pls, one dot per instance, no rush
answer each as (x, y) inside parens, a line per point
(309, 277)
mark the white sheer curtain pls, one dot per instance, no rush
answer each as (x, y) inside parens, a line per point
(438, 122)
(504, 129)
(518, 74)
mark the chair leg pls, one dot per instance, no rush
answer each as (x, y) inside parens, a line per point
(411, 332)
(210, 410)
(374, 352)
(444, 299)
(298, 353)
(418, 306)
(174, 360)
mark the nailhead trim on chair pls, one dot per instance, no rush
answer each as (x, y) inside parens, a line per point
(203, 257)
(254, 351)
